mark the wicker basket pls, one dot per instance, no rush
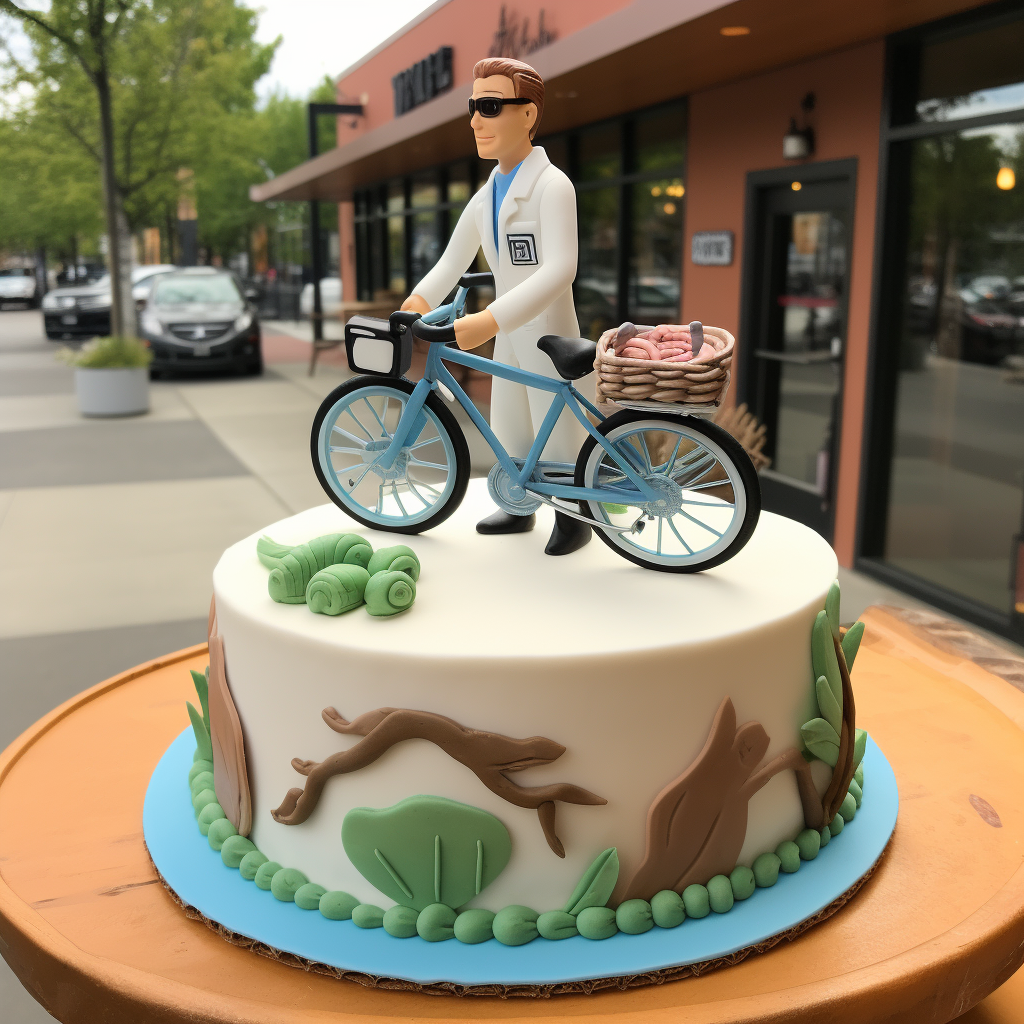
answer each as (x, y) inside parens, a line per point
(699, 382)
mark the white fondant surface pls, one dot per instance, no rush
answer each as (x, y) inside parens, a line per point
(623, 666)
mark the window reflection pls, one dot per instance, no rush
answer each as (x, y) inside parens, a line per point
(656, 250)
(596, 288)
(955, 491)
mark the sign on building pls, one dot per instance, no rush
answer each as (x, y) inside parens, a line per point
(711, 248)
(423, 81)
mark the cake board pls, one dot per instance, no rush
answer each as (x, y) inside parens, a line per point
(92, 933)
(200, 881)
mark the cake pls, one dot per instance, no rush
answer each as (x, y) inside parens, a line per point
(532, 750)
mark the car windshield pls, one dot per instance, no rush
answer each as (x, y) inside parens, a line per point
(175, 289)
(16, 272)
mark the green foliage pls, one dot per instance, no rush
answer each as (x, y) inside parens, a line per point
(596, 886)
(851, 643)
(108, 353)
(859, 746)
(832, 609)
(823, 656)
(831, 710)
(821, 740)
(426, 849)
(203, 744)
(201, 680)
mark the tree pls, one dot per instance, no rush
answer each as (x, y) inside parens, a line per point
(142, 87)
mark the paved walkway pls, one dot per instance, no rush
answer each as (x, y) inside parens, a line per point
(110, 529)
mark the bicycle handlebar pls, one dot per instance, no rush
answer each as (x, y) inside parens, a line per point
(482, 280)
(425, 332)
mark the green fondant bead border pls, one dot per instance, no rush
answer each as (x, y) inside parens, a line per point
(584, 914)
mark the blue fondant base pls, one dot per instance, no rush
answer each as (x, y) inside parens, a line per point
(197, 875)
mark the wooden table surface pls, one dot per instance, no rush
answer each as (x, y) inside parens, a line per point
(90, 931)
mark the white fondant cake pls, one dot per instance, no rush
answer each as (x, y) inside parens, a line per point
(624, 667)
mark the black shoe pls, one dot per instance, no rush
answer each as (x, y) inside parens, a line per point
(569, 535)
(504, 522)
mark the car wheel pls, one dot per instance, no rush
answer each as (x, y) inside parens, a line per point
(254, 366)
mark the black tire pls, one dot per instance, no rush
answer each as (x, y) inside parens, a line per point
(253, 366)
(725, 441)
(448, 421)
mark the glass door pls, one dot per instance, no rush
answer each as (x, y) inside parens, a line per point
(796, 339)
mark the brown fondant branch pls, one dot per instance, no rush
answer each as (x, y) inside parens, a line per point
(489, 755)
(697, 824)
(842, 774)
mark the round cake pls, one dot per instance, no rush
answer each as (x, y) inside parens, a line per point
(521, 746)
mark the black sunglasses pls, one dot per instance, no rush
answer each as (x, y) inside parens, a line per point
(490, 106)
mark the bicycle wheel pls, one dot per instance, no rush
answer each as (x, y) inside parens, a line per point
(352, 429)
(709, 498)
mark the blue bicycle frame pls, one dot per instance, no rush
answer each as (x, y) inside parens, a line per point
(436, 375)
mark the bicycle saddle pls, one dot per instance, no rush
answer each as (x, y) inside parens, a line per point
(572, 357)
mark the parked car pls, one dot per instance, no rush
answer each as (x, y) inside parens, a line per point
(83, 311)
(330, 297)
(200, 319)
(19, 284)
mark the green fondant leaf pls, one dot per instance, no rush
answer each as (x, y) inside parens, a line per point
(202, 733)
(830, 710)
(859, 745)
(832, 608)
(823, 656)
(596, 885)
(851, 643)
(270, 553)
(202, 684)
(426, 850)
(821, 740)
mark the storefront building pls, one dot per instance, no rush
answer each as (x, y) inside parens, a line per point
(841, 186)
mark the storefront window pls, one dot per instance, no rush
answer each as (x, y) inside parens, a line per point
(600, 152)
(425, 244)
(425, 189)
(596, 288)
(954, 481)
(659, 139)
(655, 254)
(396, 255)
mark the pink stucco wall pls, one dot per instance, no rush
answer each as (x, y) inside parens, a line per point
(738, 128)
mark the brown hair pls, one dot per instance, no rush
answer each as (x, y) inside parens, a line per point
(525, 80)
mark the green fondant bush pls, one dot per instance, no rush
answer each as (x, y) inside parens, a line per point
(338, 905)
(400, 922)
(234, 850)
(826, 836)
(389, 593)
(789, 856)
(835, 826)
(516, 925)
(766, 870)
(808, 843)
(198, 767)
(557, 924)
(856, 792)
(742, 881)
(220, 830)
(286, 883)
(307, 897)
(204, 780)
(337, 589)
(265, 874)
(596, 922)
(436, 923)
(398, 557)
(202, 798)
(208, 815)
(366, 915)
(696, 901)
(858, 776)
(848, 808)
(473, 926)
(634, 917)
(720, 897)
(667, 909)
(250, 864)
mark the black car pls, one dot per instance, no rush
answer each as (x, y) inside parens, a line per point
(200, 319)
(83, 310)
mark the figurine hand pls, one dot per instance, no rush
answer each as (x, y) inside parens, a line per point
(473, 330)
(416, 303)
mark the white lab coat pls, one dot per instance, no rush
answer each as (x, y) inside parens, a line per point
(534, 268)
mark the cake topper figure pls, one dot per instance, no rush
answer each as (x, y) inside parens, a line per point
(524, 219)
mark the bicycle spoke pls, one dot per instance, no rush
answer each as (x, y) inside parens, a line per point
(352, 437)
(394, 491)
(707, 486)
(671, 460)
(703, 526)
(359, 479)
(384, 430)
(380, 499)
(709, 504)
(348, 469)
(661, 522)
(334, 448)
(369, 436)
(646, 454)
(429, 465)
(412, 487)
(679, 537)
(420, 444)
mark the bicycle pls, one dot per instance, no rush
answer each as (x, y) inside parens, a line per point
(662, 487)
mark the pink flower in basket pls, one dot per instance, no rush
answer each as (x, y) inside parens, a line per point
(671, 343)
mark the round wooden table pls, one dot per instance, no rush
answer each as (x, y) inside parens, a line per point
(93, 935)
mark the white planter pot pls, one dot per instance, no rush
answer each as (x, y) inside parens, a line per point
(112, 392)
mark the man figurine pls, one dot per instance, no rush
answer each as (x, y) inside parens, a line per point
(524, 218)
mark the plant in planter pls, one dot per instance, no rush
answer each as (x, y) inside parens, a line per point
(111, 376)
